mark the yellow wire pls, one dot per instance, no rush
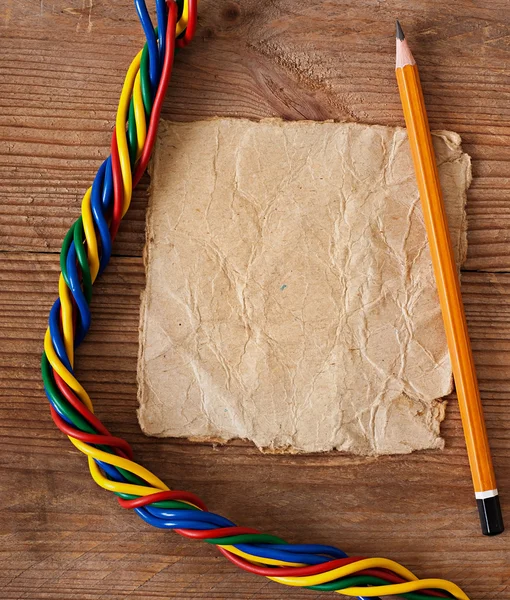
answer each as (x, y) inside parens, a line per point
(383, 590)
(405, 588)
(90, 235)
(71, 381)
(123, 488)
(122, 113)
(123, 463)
(67, 318)
(367, 563)
(183, 21)
(132, 87)
(141, 126)
(258, 560)
(120, 130)
(115, 486)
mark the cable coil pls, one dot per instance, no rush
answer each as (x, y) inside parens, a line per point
(86, 251)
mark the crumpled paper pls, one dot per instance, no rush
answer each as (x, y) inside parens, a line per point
(290, 297)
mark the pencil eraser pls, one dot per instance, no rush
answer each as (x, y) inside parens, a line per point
(491, 518)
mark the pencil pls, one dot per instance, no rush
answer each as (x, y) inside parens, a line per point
(448, 287)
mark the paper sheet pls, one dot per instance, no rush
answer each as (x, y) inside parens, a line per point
(290, 297)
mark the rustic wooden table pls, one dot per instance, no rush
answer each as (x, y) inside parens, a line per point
(62, 64)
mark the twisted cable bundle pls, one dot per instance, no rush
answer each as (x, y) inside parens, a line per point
(85, 253)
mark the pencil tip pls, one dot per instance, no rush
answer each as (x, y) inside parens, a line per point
(400, 33)
(404, 55)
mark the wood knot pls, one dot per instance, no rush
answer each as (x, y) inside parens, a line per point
(232, 12)
(208, 33)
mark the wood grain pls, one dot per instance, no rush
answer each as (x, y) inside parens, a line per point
(61, 69)
(418, 509)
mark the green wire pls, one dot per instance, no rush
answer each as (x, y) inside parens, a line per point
(132, 138)
(51, 388)
(64, 251)
(145, 82)
(82, 259)
(361, 580)
(246, 538)
(76, 234)
(78, 421)
(74, 416)
(131, 477)
(346, 582)
(132, 145)
(145, 85)
(160, 504)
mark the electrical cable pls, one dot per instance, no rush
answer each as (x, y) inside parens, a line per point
(86, 250)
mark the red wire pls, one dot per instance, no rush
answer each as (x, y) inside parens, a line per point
(215, 533)
(121, 446)
(152, 129)
(118, 191)
(191, 27)
(290, 571)
(160, 94)
(117, 214)
(161, 496)
(221, 532)
(317, 569)
(77, 404)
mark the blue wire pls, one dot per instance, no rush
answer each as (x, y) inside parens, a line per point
(111, 471)
(299, 552)
(192, 519)
(152, 44)
(56, 337)
(96, 204)
(329, 551)
(79, 296)
(161, 13)
(101, 200)
(188, 514)
(162, 524)
(309, 559)
(108, 186)
(57, 409)
(178, 523)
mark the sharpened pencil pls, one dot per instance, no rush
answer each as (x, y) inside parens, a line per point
(448, 287)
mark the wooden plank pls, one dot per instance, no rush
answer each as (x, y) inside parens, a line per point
(62, 70)
(64, 536)
(61, 67)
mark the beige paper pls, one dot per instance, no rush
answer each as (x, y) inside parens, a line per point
(290, 297)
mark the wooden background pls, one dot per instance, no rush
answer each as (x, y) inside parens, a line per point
(62, 64)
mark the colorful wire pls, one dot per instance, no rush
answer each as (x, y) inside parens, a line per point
(86, 250)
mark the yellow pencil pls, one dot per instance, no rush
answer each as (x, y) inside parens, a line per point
(448, 288)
